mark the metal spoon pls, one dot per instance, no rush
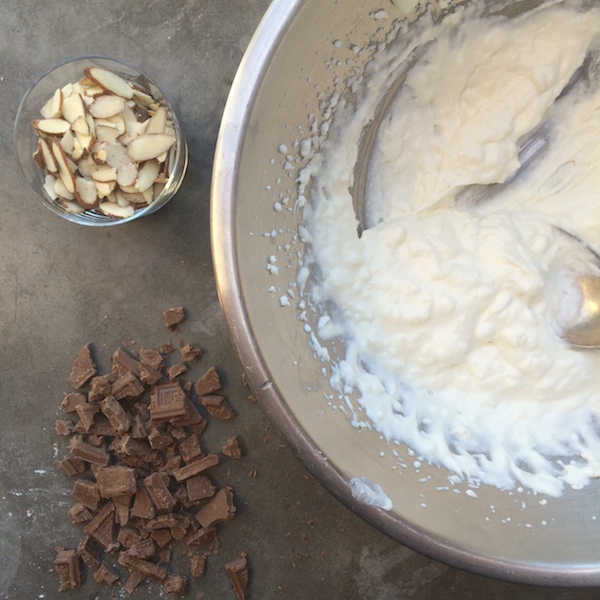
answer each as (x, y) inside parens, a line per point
(584, 333)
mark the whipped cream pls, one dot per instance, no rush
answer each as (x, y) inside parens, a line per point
(451, 311)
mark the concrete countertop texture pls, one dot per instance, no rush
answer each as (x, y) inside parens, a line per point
(63, 285)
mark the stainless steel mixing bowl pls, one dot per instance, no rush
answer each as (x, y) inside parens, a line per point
(303, 53)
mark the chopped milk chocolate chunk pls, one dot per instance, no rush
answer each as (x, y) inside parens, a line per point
(70, 401)
(166, 521)
(87, 452)
(167, 348)
(217, 407)
(127, 386)
(102, 528)
(100, 387)
(86, 413)
(190, 449)
(237, 570)
(210, 460)
(83, 368)
(167, 402)
(133, 581)
(78, 513)
(181, 527)
(164, 556)
(115, 413)
(144, 548)
(190, 353)
(162, 537)
(209, 382)
(72, 466)
(159, 440)
(156, 484)
(106, 574)
(88, 552)
(152, 358)
(219, 508)
(138, 428)
(173, 317)
(175, 584)
(199, 487)
(144, 567)
(232, 448)
(86, 492)
(201, 537)
(115, 481)
(68, 567)
(122, 505)
(149, 375)
(123, 363)
(176, 370)
(128, 537)
(101, 426)
(143, 507)
(63, 427)
(197, 565)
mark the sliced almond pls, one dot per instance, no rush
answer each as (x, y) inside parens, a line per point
(109, 81)
(77, 152)
(124, 199)
(51, 126)
(105, 174)
(92, 90)
(127, 174)
(106, 133)
(61, 191)
(148, 195)
(158, 121)
(133, 130)
(149, 145)
(106, 106)
(38, 156)
(105, 188)
(147, 174)
(72, 207)
(73, 107)
(86, 165)
(86, 193)
(63, 165)
(67, 142)
(52, 108)
(49, 159)
(117, 155)
(112, 209)
(142, 99)
(49, 183)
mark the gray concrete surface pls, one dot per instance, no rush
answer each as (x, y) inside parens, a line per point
(63, 285)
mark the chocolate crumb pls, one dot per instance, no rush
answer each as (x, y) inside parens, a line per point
(63, 428)
(173, 317)
(237, 570)
(83, 369)
(167, 348)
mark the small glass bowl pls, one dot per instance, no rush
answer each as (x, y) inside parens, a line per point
(26, 138)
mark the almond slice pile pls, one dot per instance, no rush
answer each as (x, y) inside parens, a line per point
(106, 145)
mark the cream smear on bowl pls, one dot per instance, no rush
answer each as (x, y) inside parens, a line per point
(451, 312)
